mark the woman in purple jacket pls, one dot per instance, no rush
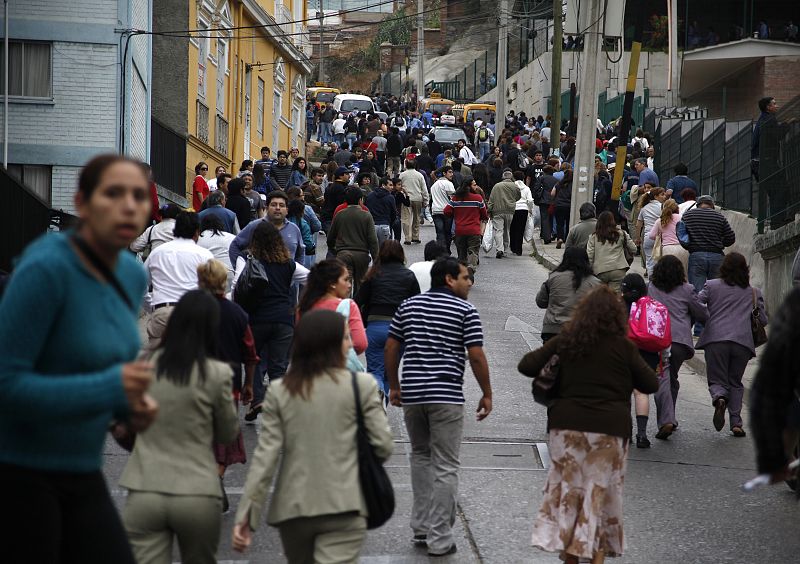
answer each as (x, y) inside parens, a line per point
(668, 285)
(727, 338)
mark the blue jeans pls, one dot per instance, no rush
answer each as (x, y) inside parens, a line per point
(351, 140)
(703, 266)
(444, 230)
(272, 341)
(383, 232)
(377, 332)
(484, 149)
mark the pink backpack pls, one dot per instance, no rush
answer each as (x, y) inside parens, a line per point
(649, 325)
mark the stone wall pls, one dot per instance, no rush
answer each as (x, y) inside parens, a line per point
(777, 249)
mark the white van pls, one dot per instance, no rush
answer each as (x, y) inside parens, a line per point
(346, 103)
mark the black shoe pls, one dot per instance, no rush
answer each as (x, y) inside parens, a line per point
(407, 243)
(420, 539)
(719, 413)
(738, 432)
(451, 550)
(252, 413)
(225, 504)
(665, 431)
(416, 241)
(500, 254)
(642, 442)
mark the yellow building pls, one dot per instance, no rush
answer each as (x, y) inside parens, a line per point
(246, 82)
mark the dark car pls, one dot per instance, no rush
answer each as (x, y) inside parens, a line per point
(449, 136)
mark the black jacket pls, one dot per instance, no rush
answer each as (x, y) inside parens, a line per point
(334, 197)
(382, 206)
(434, 149)
(383, 294)
(394, 146)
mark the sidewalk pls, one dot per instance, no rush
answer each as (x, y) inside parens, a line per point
(550, 257)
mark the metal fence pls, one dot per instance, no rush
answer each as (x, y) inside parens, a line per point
(168, 158)
(25, 217)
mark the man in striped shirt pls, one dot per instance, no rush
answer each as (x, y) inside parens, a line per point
(435, 328)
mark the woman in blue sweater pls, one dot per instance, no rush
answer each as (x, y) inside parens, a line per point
(68, 344)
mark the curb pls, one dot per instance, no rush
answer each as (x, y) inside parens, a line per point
(540, 258)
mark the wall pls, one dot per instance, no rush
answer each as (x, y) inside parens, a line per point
(171, 65)
(529, 89)
(778, 249)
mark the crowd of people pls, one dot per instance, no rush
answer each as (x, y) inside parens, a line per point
(240, 311)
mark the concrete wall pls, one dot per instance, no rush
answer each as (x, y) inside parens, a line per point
(777, 249)
(529, 89)
(171, 66)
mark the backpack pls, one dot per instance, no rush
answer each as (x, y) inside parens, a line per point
(682, 233)
(251, 284)
(538, 192)
(649, 325)
(483, 134)
(398, 121)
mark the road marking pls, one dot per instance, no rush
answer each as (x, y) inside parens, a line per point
(515, 325)
(544, 454)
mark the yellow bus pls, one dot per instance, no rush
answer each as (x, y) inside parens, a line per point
(469, 113)
(435, 104)
(322, 94)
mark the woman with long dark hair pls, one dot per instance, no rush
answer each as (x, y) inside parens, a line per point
(199, 185)
(562, 200)
(727, 338)
(299, 172)
(480, 172)
(606, 250)
(668, 285)
(328, 285)
(309, 439)
(649, 216)
(67, 367)
(565, 286)
(387, 284)
(260, 180)
(171, 476)
(238, 203)
(236, 346)
(589, 425)
(271, 312)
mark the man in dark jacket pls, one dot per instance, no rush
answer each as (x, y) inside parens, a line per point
(394, 150)
(434, 147)
(334, 196)
(352, 237)
(541, 197)
(382, 205)
(280, 172)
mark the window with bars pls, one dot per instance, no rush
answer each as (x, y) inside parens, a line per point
(222, 65)
(38, 178)
(202, 122)
(29, 69)
(221, 135)
(260, 108)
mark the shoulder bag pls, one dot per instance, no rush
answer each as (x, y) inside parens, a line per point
(625, 251)
(376, 486)
(658, 248)
(681, 232)
(759, 332)
(251, 284)
(545, 385)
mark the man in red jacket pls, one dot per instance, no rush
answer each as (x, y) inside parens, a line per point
(468, 211)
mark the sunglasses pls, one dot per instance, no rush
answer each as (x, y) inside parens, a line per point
(204, 168)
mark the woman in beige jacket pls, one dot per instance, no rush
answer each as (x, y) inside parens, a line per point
(310, 417)
(606, 250)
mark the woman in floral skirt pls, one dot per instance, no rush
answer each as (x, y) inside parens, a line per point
(589, 425)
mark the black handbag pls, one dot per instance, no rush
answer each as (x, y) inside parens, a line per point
(251, 284)
(759, 332)
(375, 483)
(545, 385)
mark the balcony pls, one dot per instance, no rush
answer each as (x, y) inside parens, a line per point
(303, 41)
(221, 135)
(283, 17)
(202, 122)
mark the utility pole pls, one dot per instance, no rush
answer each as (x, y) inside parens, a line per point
(502, 68)
(321, 17)
(555, 73)
(420, 50)
(5, 86)
(672, 85)
(583, 179)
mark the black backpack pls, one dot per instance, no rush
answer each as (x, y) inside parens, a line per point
(251, 284)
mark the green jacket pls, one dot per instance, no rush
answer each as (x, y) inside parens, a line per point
(353, 229)
(504, 197)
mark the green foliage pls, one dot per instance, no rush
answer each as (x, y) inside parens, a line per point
(396, 29)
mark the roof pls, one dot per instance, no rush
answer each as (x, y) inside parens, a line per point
(705, 67)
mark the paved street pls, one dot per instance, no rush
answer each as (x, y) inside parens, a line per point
(682, 500)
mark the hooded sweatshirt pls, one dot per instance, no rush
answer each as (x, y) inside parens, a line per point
(381, 204)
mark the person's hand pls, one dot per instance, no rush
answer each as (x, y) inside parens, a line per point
(247, 394)
(242, 537)
(136, 378)
(394, 398)
(484, 408)
(143, 413)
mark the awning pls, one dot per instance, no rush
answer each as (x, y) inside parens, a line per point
(703, 68)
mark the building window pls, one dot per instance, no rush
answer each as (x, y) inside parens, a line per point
(222, 65)
(202, 60)
(260, 109)
(202, 122)
(38, 178)
(30, 69)
(277, 104)
(221, 135)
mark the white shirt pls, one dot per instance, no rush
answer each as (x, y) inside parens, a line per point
(466, 155)
(546, 132)
(157, 234)
(172, 269)
(422, 270)
(338, 125)
(218, 245)
(525, 201)
(683, 206)
(441, 190)
(212, 184)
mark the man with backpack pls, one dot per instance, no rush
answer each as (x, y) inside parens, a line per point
(399, 122)
(541, 197)
(483, 141)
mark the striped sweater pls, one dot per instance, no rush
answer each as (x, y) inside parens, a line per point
(708, 229)
(467, 213)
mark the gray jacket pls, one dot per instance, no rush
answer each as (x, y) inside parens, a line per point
(503, 198)
(605, 257)
(683, 304)
(729, 310)
(559, 296)
(579, 235)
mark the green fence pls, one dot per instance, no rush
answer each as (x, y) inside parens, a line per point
(607, 109)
